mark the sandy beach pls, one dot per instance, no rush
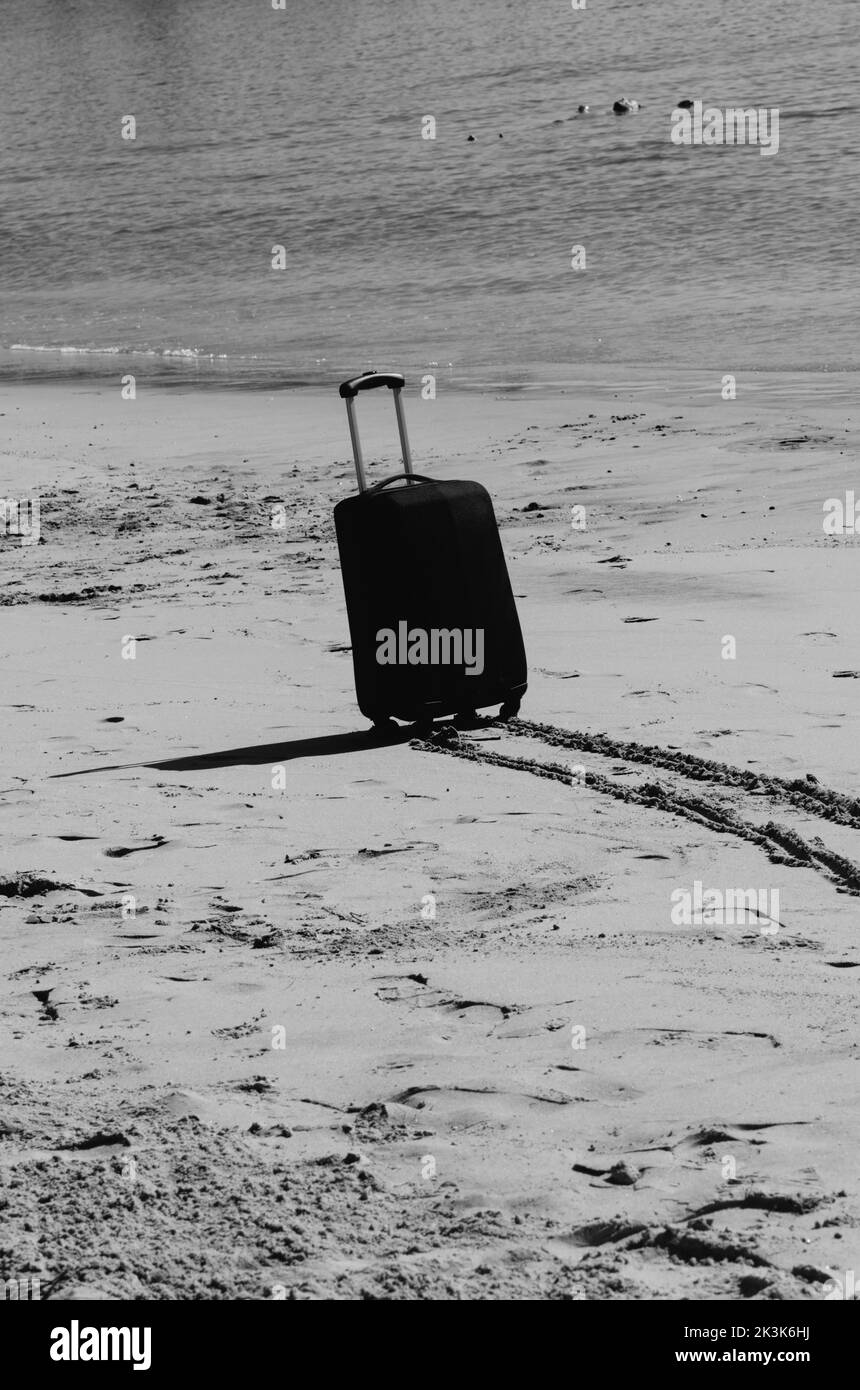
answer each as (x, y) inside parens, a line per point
(289, 1013)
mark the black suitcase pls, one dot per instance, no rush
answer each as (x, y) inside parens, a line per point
(432, 617)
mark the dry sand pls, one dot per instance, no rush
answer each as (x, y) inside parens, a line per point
(239, 1058)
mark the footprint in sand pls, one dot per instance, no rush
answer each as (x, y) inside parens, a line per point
(120, 851)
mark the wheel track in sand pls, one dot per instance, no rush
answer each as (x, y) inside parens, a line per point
(803, 794)
(781, 843)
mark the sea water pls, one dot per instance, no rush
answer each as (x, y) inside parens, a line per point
(329, 138)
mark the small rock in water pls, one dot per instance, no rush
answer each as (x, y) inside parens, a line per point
(623, 105)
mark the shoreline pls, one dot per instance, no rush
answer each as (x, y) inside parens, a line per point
(536, 378)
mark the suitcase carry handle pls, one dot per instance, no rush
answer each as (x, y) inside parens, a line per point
(349, 390)
(398, 477)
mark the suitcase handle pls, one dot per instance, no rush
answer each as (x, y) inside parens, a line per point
(349, 390)
(368, 380)
(398, 477)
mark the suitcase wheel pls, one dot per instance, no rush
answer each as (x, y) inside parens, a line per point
(467, 719)
(384, 724)
(510, 709)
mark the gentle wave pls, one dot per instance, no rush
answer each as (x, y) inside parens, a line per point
(116, 351)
